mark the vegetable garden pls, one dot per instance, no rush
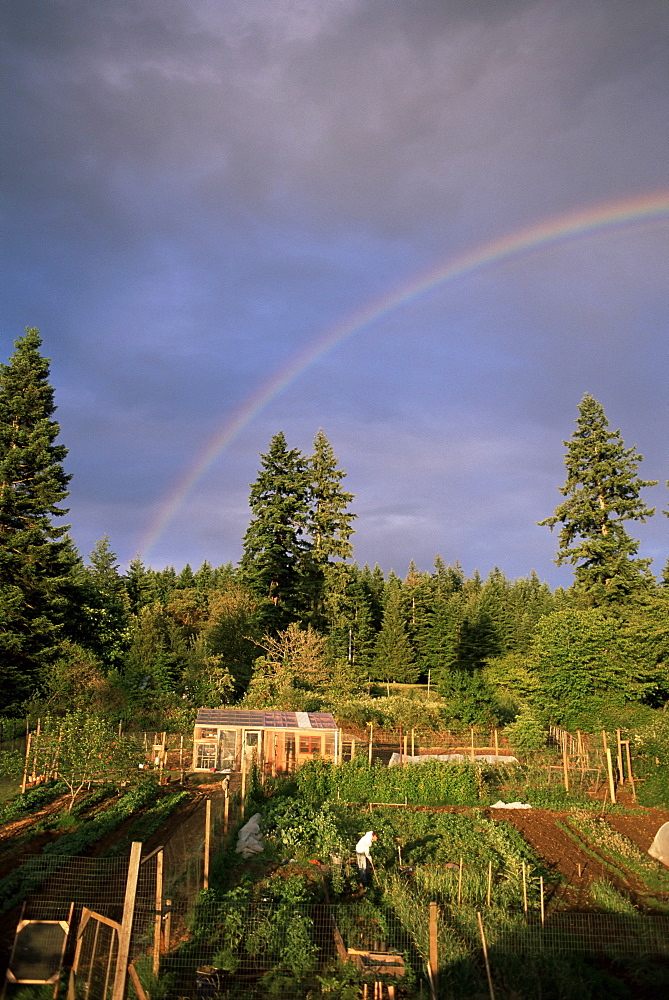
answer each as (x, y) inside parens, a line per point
(467, 901)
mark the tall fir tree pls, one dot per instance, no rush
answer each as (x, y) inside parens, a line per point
(330, 524)
(36, 557)
(602, 492)
(276, 561)
(394, 658)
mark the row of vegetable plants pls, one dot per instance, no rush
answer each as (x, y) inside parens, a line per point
(17, 885)
(436, 783)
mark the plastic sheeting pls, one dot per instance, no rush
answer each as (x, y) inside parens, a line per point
(452, 758)
(660, 847)
(249, 839)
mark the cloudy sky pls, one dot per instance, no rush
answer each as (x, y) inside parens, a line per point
(199, 193)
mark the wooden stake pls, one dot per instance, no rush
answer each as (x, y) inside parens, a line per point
(25, 766)
(353, 749)
(181, 759)
(168, 925)
(406, 740)
(496, 736)
(472, 750)
(207, 844)
(400, 739)
(489, 883)
(621, 774)
(434, 951)
(629, 768)
(525, 888)
(460, 883)
(371, 732)
(565, 765)
(612, 784)
(413, 743)
(491, 989)
(541, 900)
(158, 919)
(226, 813)
(122, 955)
(243, 782)
(605, 739)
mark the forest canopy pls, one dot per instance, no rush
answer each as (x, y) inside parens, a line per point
(298, 623)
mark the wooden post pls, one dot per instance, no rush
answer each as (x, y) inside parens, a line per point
(434, 950)
(629, 768)
(25, 766)
(406, 739)
(496, 735)
(621, 773)
(612, 784)
(371, 732)
(472, 749)
(341, 747)
(413, 743)
(181, 759)
(541, 900)
(167, 930)
(123, 953)
(207, 844)
(400, 739)
(605, 739)
(489, 896)
(226, 813)
(460, 882)
(491, 989)
(525, 888)
(353, 748)
(158, 920)
(243, 782)
(37, 736)
(565, 766)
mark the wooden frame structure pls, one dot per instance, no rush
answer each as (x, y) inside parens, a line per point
(278, 741)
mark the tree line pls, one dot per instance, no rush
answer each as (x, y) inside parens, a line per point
(297, 623)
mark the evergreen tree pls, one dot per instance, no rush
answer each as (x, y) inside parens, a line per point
(106, 604)
(276, 562)
(329, 522)
(36, 559)
(394, 658)
(602, 492)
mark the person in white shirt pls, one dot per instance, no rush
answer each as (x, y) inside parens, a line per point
(363, 857)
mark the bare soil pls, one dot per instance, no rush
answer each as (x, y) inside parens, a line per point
(574, 868)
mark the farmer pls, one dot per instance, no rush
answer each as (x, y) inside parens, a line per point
(363, 857)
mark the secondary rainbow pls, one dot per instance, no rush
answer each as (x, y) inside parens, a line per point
(583, 221)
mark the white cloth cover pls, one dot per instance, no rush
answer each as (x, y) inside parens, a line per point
(452, 758)
(510, 805)
(660, 847)
(249, 839)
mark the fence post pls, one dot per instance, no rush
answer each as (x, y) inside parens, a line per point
(123, 954)
(621, 773)
(207, 844)
(565, 765)
(612, 784)
(371, 733)
(434, 951)
(157, 925)
(629, 768)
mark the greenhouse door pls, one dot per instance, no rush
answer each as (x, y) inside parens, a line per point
(253, 743)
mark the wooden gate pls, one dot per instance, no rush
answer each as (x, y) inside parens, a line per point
(94, 966)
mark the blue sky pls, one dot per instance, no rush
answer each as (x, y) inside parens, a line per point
(195, 192)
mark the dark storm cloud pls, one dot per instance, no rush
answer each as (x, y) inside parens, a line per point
(195, 191)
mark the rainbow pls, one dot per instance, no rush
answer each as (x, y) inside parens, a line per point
(583, 221)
